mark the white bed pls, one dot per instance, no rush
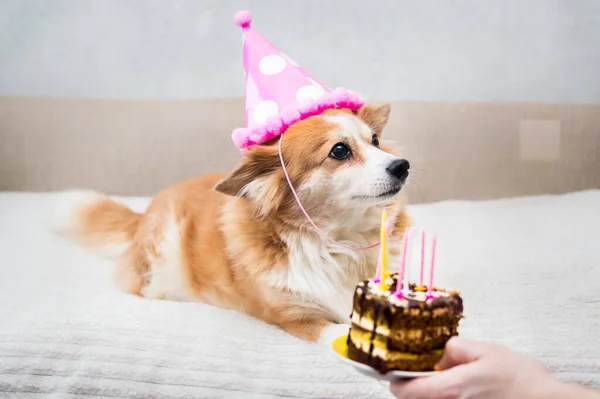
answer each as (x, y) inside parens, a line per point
(527, 268)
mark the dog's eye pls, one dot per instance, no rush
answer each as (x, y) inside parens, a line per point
(339, 151)
(375, 140)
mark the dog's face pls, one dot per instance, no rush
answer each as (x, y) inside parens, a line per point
(355, 168)
(335, 161)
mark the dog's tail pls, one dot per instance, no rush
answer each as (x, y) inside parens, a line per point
(94, 220)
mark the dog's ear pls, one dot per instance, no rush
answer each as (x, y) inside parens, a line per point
(259, 162)
(376, 117)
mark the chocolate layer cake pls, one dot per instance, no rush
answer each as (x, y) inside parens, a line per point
(406, 332)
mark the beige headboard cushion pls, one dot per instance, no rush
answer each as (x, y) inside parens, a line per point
(457, 150)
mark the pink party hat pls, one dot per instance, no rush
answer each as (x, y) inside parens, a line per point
(279, 92)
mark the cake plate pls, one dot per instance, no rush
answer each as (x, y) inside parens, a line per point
(340, 347)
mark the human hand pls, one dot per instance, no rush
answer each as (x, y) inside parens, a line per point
(480, 370)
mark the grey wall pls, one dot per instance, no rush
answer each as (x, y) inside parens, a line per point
(445, 50)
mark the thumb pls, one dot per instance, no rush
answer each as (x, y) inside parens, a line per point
(462, 351)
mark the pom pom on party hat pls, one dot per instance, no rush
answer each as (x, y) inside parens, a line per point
(279, 92)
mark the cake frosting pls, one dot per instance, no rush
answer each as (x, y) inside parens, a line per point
(402, 330)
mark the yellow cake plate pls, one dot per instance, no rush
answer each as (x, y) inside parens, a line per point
(340, 347)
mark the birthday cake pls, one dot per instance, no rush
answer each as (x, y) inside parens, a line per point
(398, 325)
(409, 331)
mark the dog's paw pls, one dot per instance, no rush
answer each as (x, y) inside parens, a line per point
(331, 332)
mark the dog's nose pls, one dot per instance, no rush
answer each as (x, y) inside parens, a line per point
(399, 168)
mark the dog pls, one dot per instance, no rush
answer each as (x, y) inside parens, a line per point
(242, 241)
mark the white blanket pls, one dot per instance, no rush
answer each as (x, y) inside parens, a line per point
(527, 268)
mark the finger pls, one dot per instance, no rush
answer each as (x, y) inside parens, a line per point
(447, 384)
(462, 351)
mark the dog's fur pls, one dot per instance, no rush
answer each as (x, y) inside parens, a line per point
(240, 241)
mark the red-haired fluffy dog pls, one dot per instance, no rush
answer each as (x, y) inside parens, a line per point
(240, 240)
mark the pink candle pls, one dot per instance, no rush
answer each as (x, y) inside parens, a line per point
(431, 269)
(400, 279)
(422, 258)
(378, 272)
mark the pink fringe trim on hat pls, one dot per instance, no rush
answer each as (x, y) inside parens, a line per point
(276, 125)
